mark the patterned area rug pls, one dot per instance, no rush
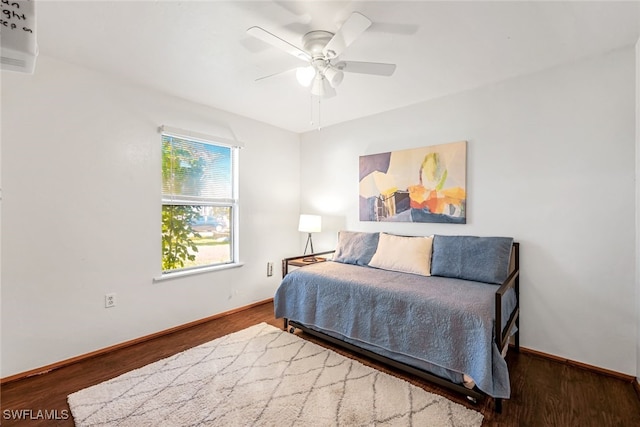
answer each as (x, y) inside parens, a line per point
(262, 376)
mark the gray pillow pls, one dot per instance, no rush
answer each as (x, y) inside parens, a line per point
(355, 247)
(481, 259)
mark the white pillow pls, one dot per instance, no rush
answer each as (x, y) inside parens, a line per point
(403, 254)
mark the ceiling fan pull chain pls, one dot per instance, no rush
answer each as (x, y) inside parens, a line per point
(319, 110)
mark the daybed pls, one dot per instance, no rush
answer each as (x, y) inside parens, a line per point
(439, 307)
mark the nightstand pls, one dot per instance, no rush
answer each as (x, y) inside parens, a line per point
(301, 261)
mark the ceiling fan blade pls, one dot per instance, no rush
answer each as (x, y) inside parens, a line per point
(276, 41)
(352, 28)
(276, 74)
(376, 68)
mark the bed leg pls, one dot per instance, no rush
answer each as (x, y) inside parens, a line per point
(291, 329)
(517, 335)
(498, 406)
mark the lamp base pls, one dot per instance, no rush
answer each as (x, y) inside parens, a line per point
(309, 243)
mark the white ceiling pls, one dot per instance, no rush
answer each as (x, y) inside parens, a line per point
(199, 50)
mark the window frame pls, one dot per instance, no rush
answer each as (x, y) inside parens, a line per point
(232, 203)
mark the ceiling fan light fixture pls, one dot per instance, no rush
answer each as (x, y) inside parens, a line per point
(317, 88)
(305, 75)
(329, 91)
(334, 76)
(322, 88)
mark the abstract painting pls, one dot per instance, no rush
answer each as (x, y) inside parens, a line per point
(415, 185)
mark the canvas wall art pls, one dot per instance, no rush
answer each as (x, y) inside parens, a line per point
(416, 185)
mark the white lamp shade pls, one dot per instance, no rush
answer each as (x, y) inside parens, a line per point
(333, 76)
(310, 223)
(321, 87)
(317, 88)
(305, 75)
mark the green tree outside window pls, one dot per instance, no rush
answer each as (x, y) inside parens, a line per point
(195, 176)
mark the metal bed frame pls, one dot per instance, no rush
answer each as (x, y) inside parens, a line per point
(502, 336)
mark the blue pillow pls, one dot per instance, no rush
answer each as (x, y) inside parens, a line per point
(481, 259)
(355, 247)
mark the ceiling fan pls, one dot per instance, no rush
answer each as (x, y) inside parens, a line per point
(321, 50)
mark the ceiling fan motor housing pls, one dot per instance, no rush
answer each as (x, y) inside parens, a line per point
(315, 41)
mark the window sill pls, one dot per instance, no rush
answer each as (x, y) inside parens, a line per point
(185, 273)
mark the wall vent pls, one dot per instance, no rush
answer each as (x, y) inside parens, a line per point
(18, 46)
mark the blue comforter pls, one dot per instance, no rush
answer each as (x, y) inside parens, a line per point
(434, 323)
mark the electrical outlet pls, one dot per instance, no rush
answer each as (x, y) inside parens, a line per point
(109, 300)
(269, 269)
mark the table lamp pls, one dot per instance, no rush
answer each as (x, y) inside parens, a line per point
(310, 224)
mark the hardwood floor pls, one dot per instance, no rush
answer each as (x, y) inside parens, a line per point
(544, 392)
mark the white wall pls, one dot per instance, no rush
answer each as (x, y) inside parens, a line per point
(638, 206)
(81, 214)
(551, 163)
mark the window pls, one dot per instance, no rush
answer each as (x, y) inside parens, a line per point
(199, 202)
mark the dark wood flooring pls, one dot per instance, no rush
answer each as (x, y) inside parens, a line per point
(544, 392)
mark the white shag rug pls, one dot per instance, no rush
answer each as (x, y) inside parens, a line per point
(262, 376)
